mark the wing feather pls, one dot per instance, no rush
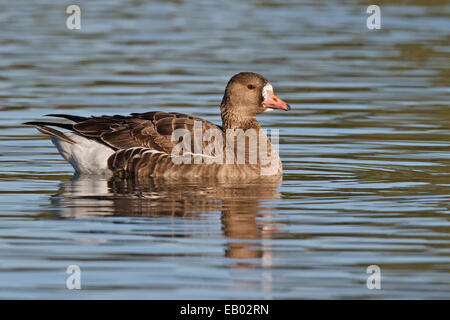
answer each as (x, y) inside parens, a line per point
(151, 130)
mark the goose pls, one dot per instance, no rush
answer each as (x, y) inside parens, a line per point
(160, 144)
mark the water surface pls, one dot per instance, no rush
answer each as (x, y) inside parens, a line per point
(365, 151)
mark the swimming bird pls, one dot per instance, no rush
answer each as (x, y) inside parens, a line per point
(172, 144)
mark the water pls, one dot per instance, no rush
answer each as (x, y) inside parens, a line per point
(365, 151)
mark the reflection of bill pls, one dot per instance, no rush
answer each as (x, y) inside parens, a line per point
(232, 147)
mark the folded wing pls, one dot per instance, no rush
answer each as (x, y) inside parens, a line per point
(152, 130)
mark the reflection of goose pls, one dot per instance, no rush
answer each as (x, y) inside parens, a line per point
(84, 196)
(240, 205)
(148, 144)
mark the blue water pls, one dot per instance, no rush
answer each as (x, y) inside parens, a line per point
(365, 151)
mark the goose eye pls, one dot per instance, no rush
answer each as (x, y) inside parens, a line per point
(251, 87)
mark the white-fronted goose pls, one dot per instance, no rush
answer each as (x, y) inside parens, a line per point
(150, 144)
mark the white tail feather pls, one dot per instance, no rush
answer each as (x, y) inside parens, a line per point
(87, 156)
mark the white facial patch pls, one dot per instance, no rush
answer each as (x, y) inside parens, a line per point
(266, 88)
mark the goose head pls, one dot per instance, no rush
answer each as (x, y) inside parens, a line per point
(246, 95)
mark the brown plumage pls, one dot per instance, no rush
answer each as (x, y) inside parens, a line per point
(142, 144)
